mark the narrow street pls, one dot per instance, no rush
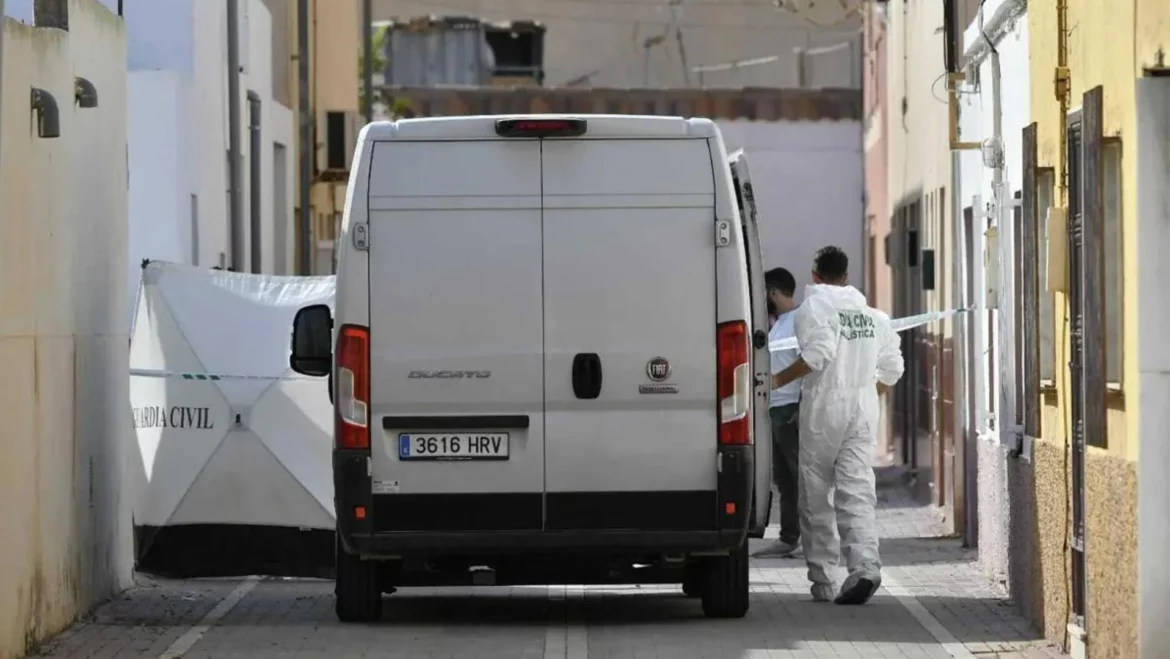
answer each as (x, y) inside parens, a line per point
(275, 271)
(935, 602)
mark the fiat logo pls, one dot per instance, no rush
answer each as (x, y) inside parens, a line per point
(658, 369)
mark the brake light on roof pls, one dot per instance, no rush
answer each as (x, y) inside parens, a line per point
(734, 382)
(540, 127)
(352, 425)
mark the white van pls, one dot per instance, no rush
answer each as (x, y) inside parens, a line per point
(549, 360)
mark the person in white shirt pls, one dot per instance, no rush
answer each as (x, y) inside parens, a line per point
(784, 411)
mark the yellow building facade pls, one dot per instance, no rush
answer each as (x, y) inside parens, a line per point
(1108, 44)
(334, 47)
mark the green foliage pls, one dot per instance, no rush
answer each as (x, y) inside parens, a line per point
(400, 108)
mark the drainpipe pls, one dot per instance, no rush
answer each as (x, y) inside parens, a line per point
(368, 58)
(1061, 81)
(1000, 235)
(962, 325)
(972, 322)
(996, 130)
(1078, 621)
(304, 260)
(1, 70)
(254, 194)
(236, 212)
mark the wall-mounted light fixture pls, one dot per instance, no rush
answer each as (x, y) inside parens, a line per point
(48, 117)
(84, 93)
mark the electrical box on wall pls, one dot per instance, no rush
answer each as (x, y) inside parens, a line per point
(1057, 250)
(992, 150)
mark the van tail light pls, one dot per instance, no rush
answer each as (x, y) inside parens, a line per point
(735, 383)
(352, 429)
(540, 127)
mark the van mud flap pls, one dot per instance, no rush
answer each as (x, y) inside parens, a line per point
(352, 496)
(735, 484)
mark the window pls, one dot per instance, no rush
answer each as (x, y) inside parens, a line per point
(518, 50)
(335, 143)
(1030, 249)
(281, 221)
(1045, 193)
(1114, 287)
(971, 358)
(1087, 271)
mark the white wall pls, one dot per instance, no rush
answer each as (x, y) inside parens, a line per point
(977, 116)
(1153, 226)
(184, 81)
(276, 128)
(65, 540)
(160, 34)
(160, 216)
(809, 184)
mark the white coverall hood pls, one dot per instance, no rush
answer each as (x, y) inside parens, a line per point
(850, 348)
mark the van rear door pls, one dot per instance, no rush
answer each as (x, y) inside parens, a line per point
(629, 335)
(761, 358)
(456, 336)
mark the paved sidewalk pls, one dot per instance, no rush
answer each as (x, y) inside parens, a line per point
(934, 602)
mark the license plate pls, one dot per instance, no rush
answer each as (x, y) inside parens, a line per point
(453, 446)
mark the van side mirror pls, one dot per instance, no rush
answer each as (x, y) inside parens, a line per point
(312, 341)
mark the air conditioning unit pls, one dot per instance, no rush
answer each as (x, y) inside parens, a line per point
(340, 137)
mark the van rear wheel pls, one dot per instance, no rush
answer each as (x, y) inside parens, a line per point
(725, 593)
(357, 588)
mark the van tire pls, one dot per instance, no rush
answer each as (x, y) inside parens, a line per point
(357, 588)
(725, 594)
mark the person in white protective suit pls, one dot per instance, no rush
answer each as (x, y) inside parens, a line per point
(849, 354)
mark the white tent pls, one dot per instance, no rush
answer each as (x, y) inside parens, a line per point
(235, 448)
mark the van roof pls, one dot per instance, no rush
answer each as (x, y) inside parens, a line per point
(483, 127)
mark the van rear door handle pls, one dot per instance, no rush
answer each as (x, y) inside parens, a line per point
(587, 375)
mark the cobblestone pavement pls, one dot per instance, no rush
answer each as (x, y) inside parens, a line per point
(935, 602)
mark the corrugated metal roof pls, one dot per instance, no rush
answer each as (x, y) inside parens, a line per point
(758, 104)
(427, 54)
(431, 51)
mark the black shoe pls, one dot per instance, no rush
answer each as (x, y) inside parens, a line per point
(859, 593)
